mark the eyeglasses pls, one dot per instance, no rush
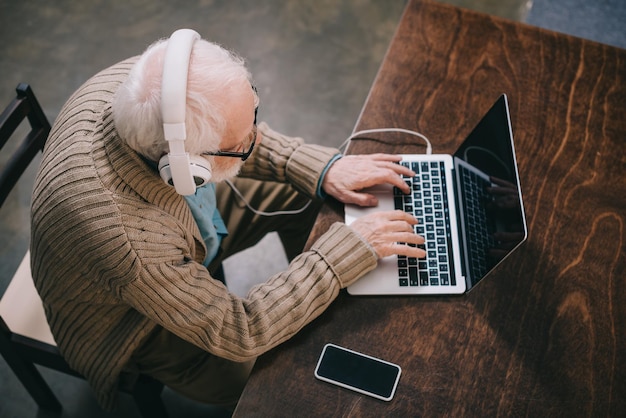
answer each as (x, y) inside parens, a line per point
(248, 143)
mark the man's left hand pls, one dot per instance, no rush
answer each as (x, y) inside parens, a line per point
(349, 175)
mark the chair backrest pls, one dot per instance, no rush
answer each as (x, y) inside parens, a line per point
(23, 106)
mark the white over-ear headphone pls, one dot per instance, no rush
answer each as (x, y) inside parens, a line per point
(185, 172)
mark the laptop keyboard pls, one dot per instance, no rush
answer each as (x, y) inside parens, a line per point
(428, 202)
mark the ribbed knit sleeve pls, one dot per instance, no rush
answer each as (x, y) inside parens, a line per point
(181, 299)
(288, 160)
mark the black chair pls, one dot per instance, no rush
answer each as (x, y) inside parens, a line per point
(25, 337)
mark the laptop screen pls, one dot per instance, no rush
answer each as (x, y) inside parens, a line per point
(491, 209)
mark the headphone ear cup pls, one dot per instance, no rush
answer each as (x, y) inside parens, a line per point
(200, 170)
(165, 171)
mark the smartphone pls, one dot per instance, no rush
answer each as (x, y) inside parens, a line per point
(359, 372)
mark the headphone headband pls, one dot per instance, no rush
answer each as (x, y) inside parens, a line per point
(173, 107)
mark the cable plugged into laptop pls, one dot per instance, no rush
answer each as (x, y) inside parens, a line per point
(345, 143)
(355, 135)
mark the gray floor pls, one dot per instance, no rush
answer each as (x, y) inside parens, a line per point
(601, 21)
(313, 63)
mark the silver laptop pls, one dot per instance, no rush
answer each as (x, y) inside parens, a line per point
(469, 210)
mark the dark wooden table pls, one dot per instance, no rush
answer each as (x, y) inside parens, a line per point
(545, 334)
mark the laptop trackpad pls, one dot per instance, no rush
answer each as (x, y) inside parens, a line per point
(384, 194)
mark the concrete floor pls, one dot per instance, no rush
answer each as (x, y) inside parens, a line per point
(313, 63)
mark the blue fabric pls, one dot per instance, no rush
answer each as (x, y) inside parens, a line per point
(203, 205)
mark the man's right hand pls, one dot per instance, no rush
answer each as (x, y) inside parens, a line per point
(389, 233)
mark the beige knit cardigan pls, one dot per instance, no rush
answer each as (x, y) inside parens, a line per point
(115, 251)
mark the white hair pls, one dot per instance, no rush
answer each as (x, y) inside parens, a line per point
(137, 103)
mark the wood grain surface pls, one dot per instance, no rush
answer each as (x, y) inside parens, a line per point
(545, 334)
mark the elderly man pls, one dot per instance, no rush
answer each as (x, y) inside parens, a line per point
(131, 215)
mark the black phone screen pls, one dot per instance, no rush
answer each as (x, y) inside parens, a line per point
(357, 371)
